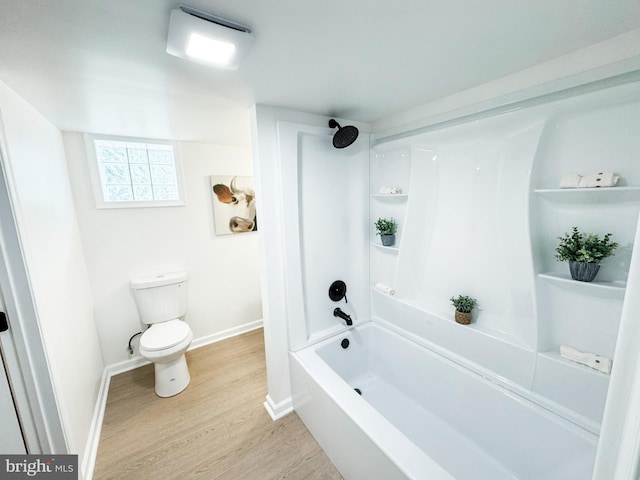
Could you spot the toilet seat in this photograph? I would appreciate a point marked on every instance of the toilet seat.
(164, 335)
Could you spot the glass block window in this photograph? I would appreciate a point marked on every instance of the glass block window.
(137, 171)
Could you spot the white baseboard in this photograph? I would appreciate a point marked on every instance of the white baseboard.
(126, 365)
(91, 448)
(278, 410)
(223, 335)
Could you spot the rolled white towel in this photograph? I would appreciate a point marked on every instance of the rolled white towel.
(589, 359)
(570, 180)
(381, 287)
(600, 179)
(390, 190)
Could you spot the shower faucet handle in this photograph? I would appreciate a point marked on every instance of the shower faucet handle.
(338, 291)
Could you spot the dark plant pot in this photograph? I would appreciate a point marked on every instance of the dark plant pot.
(388, 240)
(464, 318)
(582, 271)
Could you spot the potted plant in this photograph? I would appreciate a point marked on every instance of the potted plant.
(386, 228)
(584, 252)
(464, 305)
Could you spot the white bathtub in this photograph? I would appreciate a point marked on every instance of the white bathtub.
(422, 416)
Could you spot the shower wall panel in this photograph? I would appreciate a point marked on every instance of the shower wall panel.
(325, 228)
(482, 216)
(333, 226)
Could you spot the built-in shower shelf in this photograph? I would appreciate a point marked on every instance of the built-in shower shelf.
(386, 249)
(554, 356)
(400, 197)
(446, 317)
(384, 294)
(590, 195)
(606, 288)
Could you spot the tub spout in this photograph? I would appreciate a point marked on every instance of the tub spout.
(339, 313)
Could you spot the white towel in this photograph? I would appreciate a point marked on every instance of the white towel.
(390, 190)
(600, 179)
(570, 180)
(592, 360)
(381, 287)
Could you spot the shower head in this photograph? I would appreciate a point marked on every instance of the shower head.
(345, 136)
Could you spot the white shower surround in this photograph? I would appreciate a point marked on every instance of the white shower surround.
(482, 218)
(516, 154)
(326, 229)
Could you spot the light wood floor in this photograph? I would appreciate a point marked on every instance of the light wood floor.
(215, 429)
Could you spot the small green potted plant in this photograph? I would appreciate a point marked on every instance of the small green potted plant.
(584, 252)
(386, 228)
(464, 305)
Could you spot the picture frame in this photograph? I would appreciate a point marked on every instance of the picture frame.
(234, 204)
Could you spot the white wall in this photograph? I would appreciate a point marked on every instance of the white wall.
(224, 285)
(54, 256)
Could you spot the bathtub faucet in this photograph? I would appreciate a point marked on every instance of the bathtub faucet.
(339, 313)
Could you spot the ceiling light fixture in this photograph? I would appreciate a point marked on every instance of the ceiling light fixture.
(206, 38)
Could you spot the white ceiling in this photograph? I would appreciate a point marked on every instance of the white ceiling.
(101, 66)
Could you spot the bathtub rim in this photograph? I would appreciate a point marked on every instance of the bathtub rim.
(412, 461)
(393, 443)
(546, 407)
(556, 408)
(541, 401)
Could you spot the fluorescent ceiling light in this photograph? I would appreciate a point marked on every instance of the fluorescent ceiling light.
(208, 39)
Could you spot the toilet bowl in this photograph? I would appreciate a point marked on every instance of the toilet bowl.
(165, 345)
(162, 302)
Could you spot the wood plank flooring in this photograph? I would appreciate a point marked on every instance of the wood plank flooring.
(215, 429)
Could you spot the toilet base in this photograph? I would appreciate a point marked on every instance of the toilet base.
(172, 378)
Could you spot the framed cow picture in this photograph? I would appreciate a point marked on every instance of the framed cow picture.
(234, 204)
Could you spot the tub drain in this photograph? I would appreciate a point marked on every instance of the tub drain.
(358, 391)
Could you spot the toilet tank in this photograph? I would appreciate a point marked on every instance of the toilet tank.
(160, 297)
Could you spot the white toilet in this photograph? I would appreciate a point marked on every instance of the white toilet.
(162, 301)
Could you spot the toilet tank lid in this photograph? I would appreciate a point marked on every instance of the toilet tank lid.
(158, 280)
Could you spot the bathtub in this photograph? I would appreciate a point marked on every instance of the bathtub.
(419, 415)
